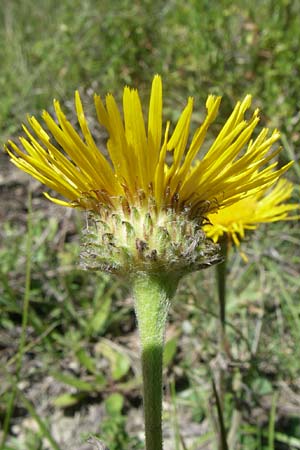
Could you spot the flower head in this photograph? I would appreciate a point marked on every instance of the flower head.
(145, 164)
(265, 206)
(150, 179)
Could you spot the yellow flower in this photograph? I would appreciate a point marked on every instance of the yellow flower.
(247, 214)
(144, 163)
(150, 191)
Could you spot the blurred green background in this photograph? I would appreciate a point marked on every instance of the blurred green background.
(80, 373)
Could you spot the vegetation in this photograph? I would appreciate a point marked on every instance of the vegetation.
(77, 359)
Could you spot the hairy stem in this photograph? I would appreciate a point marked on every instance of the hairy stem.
(152, 294)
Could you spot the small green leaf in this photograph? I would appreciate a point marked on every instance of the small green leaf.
(119, 362)
(114, 403)
(169, 351)
(66, 400)
(70, 380)
(262, 386)
(86, 360)
(98, 321)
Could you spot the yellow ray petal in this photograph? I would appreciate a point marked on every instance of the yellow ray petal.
(155, 123)
(136, 136)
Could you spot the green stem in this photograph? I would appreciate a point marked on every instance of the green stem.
(222, 442)
(221, 281)
(220, 390)
(152, 294)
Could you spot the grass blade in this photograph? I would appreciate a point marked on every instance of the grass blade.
(22, 343)
(43, 428)
(271, 436)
